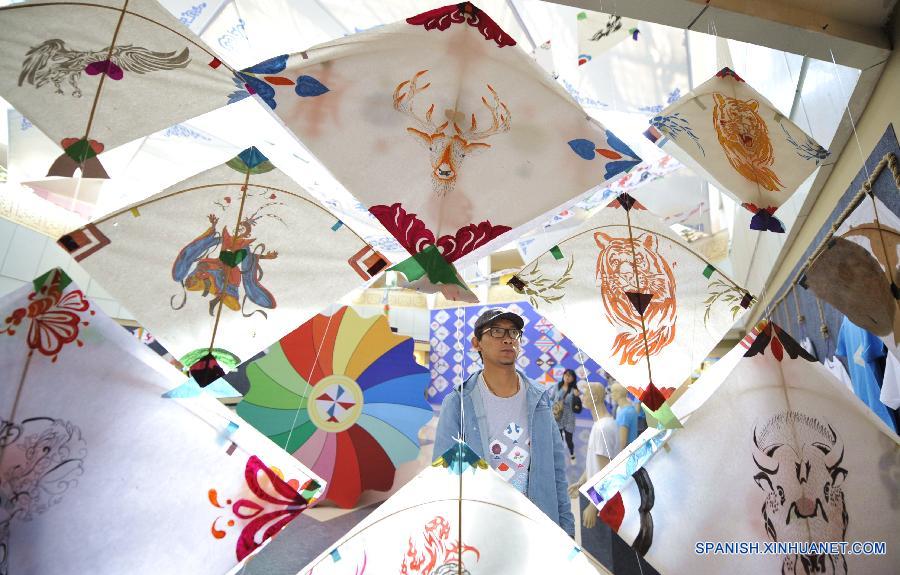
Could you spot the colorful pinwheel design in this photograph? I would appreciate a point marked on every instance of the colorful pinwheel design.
(345, 396)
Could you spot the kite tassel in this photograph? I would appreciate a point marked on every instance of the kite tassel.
(79, 153)
(764, 220)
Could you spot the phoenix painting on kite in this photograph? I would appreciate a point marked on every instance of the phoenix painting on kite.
(51, 61)
(237, 265)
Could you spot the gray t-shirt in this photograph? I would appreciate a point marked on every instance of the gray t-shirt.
(509, 439)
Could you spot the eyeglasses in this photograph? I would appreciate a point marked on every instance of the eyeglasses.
(499, 332)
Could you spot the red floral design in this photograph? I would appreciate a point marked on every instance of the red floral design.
(409, 230)
(55, 319)
(442, 18)
(414, 236)
(276, 503)
(468, 238)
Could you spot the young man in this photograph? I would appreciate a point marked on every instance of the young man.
(507, 419)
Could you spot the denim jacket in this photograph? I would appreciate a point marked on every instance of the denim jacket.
(547, 484)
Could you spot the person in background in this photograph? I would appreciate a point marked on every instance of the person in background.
(626, 415)
(566, 392)
(505, 418)
(602, 446)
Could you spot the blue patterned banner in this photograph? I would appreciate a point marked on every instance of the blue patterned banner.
(546, 352)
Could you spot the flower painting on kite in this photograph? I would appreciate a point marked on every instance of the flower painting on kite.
(728, 132)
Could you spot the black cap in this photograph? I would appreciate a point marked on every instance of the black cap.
(495, 314)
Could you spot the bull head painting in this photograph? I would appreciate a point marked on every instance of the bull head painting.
(799, 460)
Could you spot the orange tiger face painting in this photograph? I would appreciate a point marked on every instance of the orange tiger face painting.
(744, 138)
(618, 273)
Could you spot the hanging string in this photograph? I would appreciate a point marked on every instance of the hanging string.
(637, 279)
(237, 226)
(462, 430)
(889, 160)
(823, 327)
(801, 319)
(308, 387)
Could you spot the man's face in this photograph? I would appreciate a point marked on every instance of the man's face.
(500, 351)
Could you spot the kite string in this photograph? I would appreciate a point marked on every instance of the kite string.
(869, 183)
(637, 279)
(237, 226)
(887, 256)
(823, 327)
(15, 405)
(104, 73)
(462, 431)
(54, 280)
(888, 160)
(297, 413)
(801, 319)
(307, 387)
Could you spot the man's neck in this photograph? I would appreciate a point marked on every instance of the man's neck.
(503, 381)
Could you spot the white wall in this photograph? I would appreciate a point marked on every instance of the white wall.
(26, 254)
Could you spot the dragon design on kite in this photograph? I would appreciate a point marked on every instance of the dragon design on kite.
(53, 62)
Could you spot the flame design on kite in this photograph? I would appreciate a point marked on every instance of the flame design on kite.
(635, 265)
(51, 61)
(448, 150)
(744, 138)
(436, 555)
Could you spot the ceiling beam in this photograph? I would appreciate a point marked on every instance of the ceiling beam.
(771, 23)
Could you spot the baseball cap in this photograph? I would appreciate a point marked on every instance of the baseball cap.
(495, 314)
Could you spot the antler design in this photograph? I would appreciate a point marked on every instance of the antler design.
(499, 119)
(403, 102)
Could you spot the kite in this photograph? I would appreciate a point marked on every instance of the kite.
(446, 521)
(137, 169)
(807, 463)
(345, 396)
(223, 264)
(97, 469)
(94, 76)
(727, 131)
(876, 229)
(441, 125)
(636, 298)
(598, 32)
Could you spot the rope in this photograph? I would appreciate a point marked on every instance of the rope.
(889, 160)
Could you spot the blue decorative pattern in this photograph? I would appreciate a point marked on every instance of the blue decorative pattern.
(546, 352)
(188, 16)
